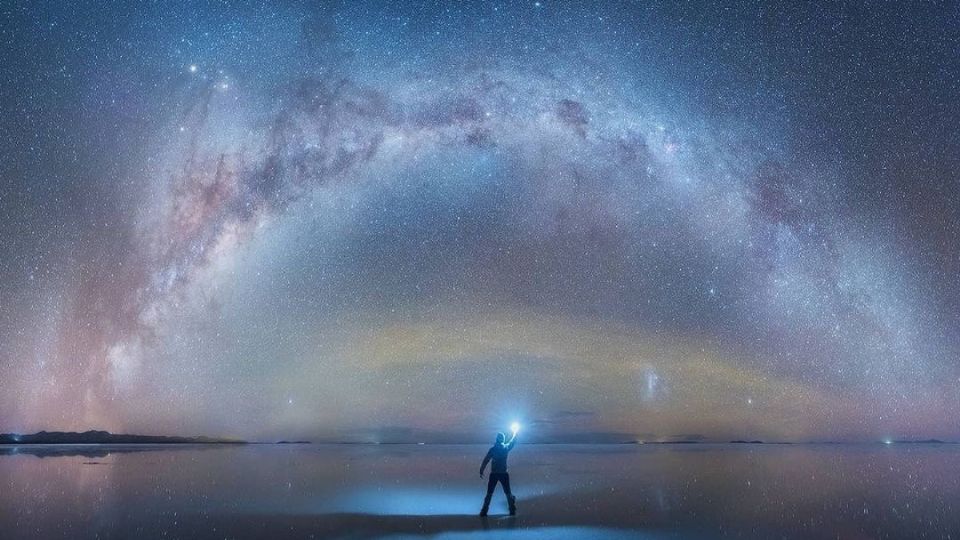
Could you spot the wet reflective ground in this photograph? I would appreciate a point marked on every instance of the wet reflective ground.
(400, 491)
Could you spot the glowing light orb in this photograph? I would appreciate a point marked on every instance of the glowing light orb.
(515, 427)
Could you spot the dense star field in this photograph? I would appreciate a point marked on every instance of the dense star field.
(386, 222)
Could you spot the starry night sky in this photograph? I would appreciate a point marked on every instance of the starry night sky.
(380, 222)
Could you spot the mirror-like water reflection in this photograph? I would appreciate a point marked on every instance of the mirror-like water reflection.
(323, 491)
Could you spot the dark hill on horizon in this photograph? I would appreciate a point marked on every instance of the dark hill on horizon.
(105, 437)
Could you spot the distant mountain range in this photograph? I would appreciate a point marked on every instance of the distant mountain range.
(105, 437)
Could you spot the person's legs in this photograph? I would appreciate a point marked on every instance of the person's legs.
(511, 500)
(491, 485)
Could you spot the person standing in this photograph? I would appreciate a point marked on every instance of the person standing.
(498, 471)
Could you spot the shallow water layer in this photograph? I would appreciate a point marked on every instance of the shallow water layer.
(401, 491)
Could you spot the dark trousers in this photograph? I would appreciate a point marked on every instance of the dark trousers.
(504, 479)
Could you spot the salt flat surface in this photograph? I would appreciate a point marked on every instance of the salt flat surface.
(411, 491)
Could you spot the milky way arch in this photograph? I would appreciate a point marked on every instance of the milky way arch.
(419, 225)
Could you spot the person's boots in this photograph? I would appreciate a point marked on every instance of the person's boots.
(486, 505)
(513, 505)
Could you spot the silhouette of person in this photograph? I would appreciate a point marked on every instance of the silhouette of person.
(498, 472)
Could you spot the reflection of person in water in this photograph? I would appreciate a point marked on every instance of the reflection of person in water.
(498, 471)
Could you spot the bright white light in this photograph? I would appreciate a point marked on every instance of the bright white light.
(193, 68)
(515, 427)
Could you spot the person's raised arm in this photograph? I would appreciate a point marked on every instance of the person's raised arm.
(486, 459)
(513, 441)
